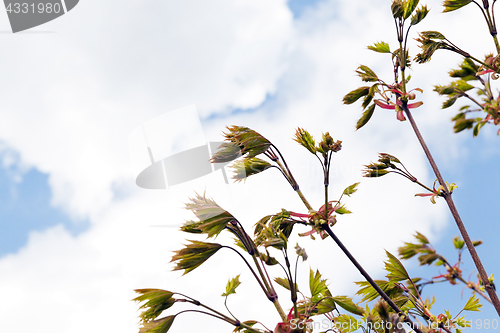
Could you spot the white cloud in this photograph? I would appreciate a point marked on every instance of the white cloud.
(89, 87)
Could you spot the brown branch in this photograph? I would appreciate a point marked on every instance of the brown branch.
(458, 220)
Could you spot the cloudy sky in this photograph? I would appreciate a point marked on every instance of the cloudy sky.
(77, 235)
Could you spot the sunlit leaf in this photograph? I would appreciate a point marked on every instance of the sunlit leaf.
(194, 254)
(232, 285)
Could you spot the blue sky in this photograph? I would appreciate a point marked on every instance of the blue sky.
(92, 77)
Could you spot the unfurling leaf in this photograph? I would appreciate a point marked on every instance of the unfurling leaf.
(395, 269)
(451, 5)
(371, 173)
(419, 15)
(232, 285)
(347, 304)
(472, 304)
(342, 210)
(212, 218)
(421, 238)
(193, 255)
(317, 285)
(247, 140)
(367, 114)
(157, 326)
(155, 302)
(381, 47)
(351, 189)
(285, 283)
(354, 95)
(305, 139)
(270, 261)
(347, 323)
(366, 74)
(458, 243)
(247, 167)
(408, 7)
(226, 152)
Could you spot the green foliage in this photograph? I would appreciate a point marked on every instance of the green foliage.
(155, 302)
(212, 218)
(157, 326)
(408, 8)
(381, 47)
(366, 74)
(472, 304)
(347, 304)
(243, 329)
(347, 323)
(232, 285)
(356, 94)
(285, 283)
(249, 143)
(367, 114)
(248, 166)
(317, 286)
(193, 255)
(451, 5)
(419, 15)
(395, 269)
(305, 139)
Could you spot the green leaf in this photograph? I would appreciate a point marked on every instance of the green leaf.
(463, 85)
(477, 243)
(305, 139)
(247, 167)
(419, 15)
(212, 218)
(226, 152)
(428, 259)
(387, 158)
(193, 255)
(342, 210)
(472, 304)
(249, 142)
(356, 94)
(366, 74)
(458, 243)
(243, 329)
(432, 35)
(450, 101)
(371, 173)
(408, 7)
(451, 5)
(395, 269)
(317, 285)
(285, 283)
(157, 326)
(381, 47)
(270, 261)
(232, 285)
(155, 302)
(421, 238)
(365, 117)
(347, 304)
(397, 8)
(461, 124)
(351, 189)
(347, 323)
